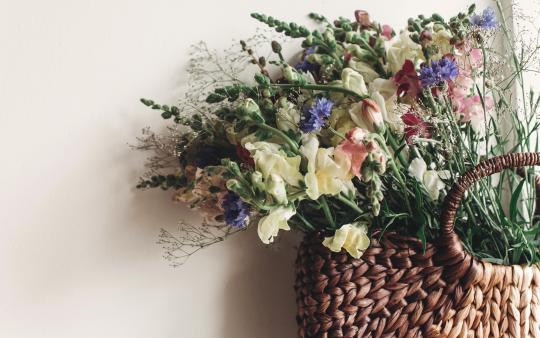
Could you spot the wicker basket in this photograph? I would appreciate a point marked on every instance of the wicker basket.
(396, 289)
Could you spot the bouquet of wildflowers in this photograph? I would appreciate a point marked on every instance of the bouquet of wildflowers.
(367, 132)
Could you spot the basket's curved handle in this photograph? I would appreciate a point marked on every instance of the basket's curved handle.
(454, 254)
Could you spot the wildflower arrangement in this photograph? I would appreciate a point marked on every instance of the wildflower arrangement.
(367, 132)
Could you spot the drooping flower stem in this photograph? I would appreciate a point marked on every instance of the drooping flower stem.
(321, 88)
(290, 142)
(326, 209)
(305, 221)
(337, 133)
(350, 203)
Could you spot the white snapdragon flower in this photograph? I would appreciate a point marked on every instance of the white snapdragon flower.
(276, 220)
(270, 159)
(354, 81)
(351, 237)
(431, 179)
(328, 172)
(364, 69)
(287, 117)
(401, 48)
(275, 186)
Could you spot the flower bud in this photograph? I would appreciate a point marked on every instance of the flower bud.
(426, 36)
(387, 32)
(249, 110)
(276, 47)
(367, 114)
(371, 112)
(257, 180)
(236, 187)
(362, 17)
(291, 75)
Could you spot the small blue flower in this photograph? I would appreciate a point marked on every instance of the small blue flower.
(314, 117)
(487, 20)
(447, 69)
(441, 70)
(236, 210)
(307, 66)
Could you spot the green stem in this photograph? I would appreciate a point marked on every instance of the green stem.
(306, 222)
(351, 204)
(326, 210)
(292, 144)
(392, 162)
(337, 133)
(395, 147)
(321, 88)
(395, 169)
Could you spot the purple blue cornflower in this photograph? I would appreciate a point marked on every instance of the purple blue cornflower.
(314, 117)
(486, 20)
(438, 71)
(236, 211)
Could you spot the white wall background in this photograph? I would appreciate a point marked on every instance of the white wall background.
(77, 242)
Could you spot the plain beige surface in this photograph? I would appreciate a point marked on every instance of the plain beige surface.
(77, 242)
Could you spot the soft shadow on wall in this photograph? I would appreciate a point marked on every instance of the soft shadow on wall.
(259, 294)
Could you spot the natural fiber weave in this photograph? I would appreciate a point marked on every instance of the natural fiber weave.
(396, 289)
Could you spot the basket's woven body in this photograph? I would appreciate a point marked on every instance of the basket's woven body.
(396, 289)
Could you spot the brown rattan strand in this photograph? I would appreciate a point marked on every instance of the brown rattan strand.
(396, 289)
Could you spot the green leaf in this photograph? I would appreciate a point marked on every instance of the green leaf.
(421, 233)
(514, 200)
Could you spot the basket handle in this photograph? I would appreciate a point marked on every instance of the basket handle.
(454, 253)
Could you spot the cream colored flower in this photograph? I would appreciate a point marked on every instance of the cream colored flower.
(433, 184)
(354, 81)
(270, 159)
(276, 220)
(327, 171)
(431, 179)
(384, 93)
(364, 69)
(387, 88)
(401, 48)
(275, 186)
(441, 39)
(351, 237)
(388, 112)
(287, 117)
(417, 169)
(341, 121)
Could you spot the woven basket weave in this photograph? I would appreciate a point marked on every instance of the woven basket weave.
(396, 289)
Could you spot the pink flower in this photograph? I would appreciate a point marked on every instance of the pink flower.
(407, 80)
(472, 107)
(354, 148)
(415, 126)
(367, 113)
(469, 59)
(477, 59)
(387, 32)
(461, 87)
(356, 135)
